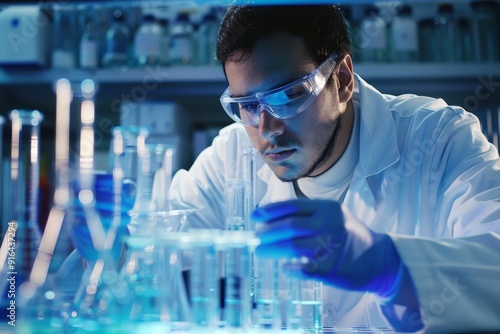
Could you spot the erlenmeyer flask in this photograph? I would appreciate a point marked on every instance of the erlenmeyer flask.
(157, 293)
(42, 302)
(101, 300)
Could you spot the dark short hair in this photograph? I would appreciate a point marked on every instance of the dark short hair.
(322, 27)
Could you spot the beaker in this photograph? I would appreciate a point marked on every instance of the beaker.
(305, 299)
(156, 292)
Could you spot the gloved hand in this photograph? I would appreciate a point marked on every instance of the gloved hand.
(104, 206)
(341, 251)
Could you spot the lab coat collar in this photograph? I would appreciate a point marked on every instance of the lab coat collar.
(378, 145)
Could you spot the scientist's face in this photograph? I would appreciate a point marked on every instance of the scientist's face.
(310, 142)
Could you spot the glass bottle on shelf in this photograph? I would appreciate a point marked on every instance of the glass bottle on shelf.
(404, 36)
(116, 51)
(373, 30)
(427, 41)
(147, 42)
(446, 30)
(485, 30)
(181, 40)
(465, 36)
(207, 39)
(89, 46)
(65, 45)
(165, 40)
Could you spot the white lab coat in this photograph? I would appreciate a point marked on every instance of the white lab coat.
(426, 176)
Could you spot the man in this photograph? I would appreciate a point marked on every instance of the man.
(394, 201)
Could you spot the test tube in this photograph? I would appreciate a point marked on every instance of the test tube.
(267, 313)
(235, 248)
(236, 195)
(203, 278)
(250, 176)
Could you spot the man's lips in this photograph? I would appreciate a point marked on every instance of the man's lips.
(279, 155)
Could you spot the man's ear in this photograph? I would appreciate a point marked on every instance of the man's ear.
(345, 79)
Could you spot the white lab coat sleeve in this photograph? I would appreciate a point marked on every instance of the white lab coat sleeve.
(457, 281)
(202, 188)
(457, 276)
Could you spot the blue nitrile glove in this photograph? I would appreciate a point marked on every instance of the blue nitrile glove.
(341, 251)
(104, 205)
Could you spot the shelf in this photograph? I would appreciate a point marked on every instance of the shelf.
(215, 2)
(439, 79)
(150, 74)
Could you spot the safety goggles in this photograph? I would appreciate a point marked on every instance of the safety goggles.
(282, 102)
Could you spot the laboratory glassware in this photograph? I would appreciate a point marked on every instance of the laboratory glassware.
(236, 204)
(465, 37)
(116, 50)
(128, 138)
(164, 40)
(181, 40)
(99, 302)
(156, 294)
(305, 300)
(373, 37)
(267, 295)
(404, 36)
(89, 45)
(162, 180)
(42, 302)
(203, 282)
(151, 157)
(446, 34)
(250, 177)
(207, 39)
(484, 22)
(65, 37)
(235, 249)
(427, 41)
(24, 188)
(147, 42)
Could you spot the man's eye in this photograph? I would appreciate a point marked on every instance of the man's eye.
(295, 94)
(248, 107)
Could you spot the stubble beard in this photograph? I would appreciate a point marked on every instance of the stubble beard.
(322, 158)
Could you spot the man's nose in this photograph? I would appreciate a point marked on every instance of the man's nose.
(269, 125)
